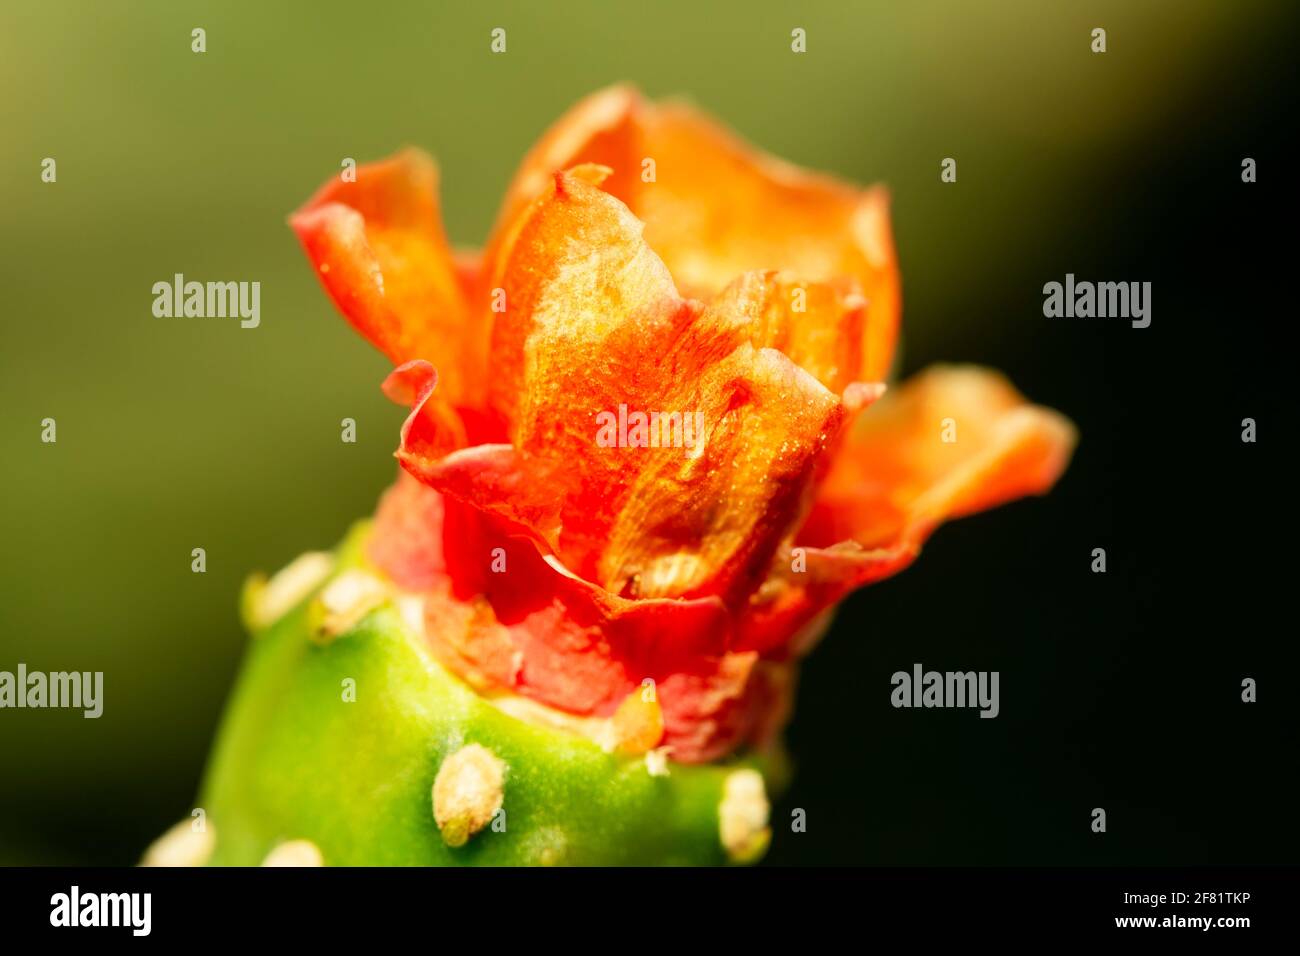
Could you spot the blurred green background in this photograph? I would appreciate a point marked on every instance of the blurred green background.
(183, 433)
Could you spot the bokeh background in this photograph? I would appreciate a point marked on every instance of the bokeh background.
(1120, 691)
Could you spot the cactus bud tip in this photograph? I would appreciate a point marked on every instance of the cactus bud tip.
(344, 602)
(467, 793)
(743, 816)
(182, 845)
(295, 853)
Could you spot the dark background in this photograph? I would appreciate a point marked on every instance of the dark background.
(1119, 690)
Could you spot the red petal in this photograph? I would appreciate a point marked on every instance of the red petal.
(530, 628)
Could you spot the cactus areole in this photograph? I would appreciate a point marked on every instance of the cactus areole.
(649, 447)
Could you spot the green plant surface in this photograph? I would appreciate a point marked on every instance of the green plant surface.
(295, 760)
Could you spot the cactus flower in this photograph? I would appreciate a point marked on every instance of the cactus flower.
(649, 447)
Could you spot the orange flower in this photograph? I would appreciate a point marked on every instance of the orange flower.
(652, 447)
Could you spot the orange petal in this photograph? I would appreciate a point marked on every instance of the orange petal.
(716, 207)
(434, 427)
(594, 331)
(575, 277)
(709, 524)
(600, 129)
(379, 248)
(950, 442)
(817, 325)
